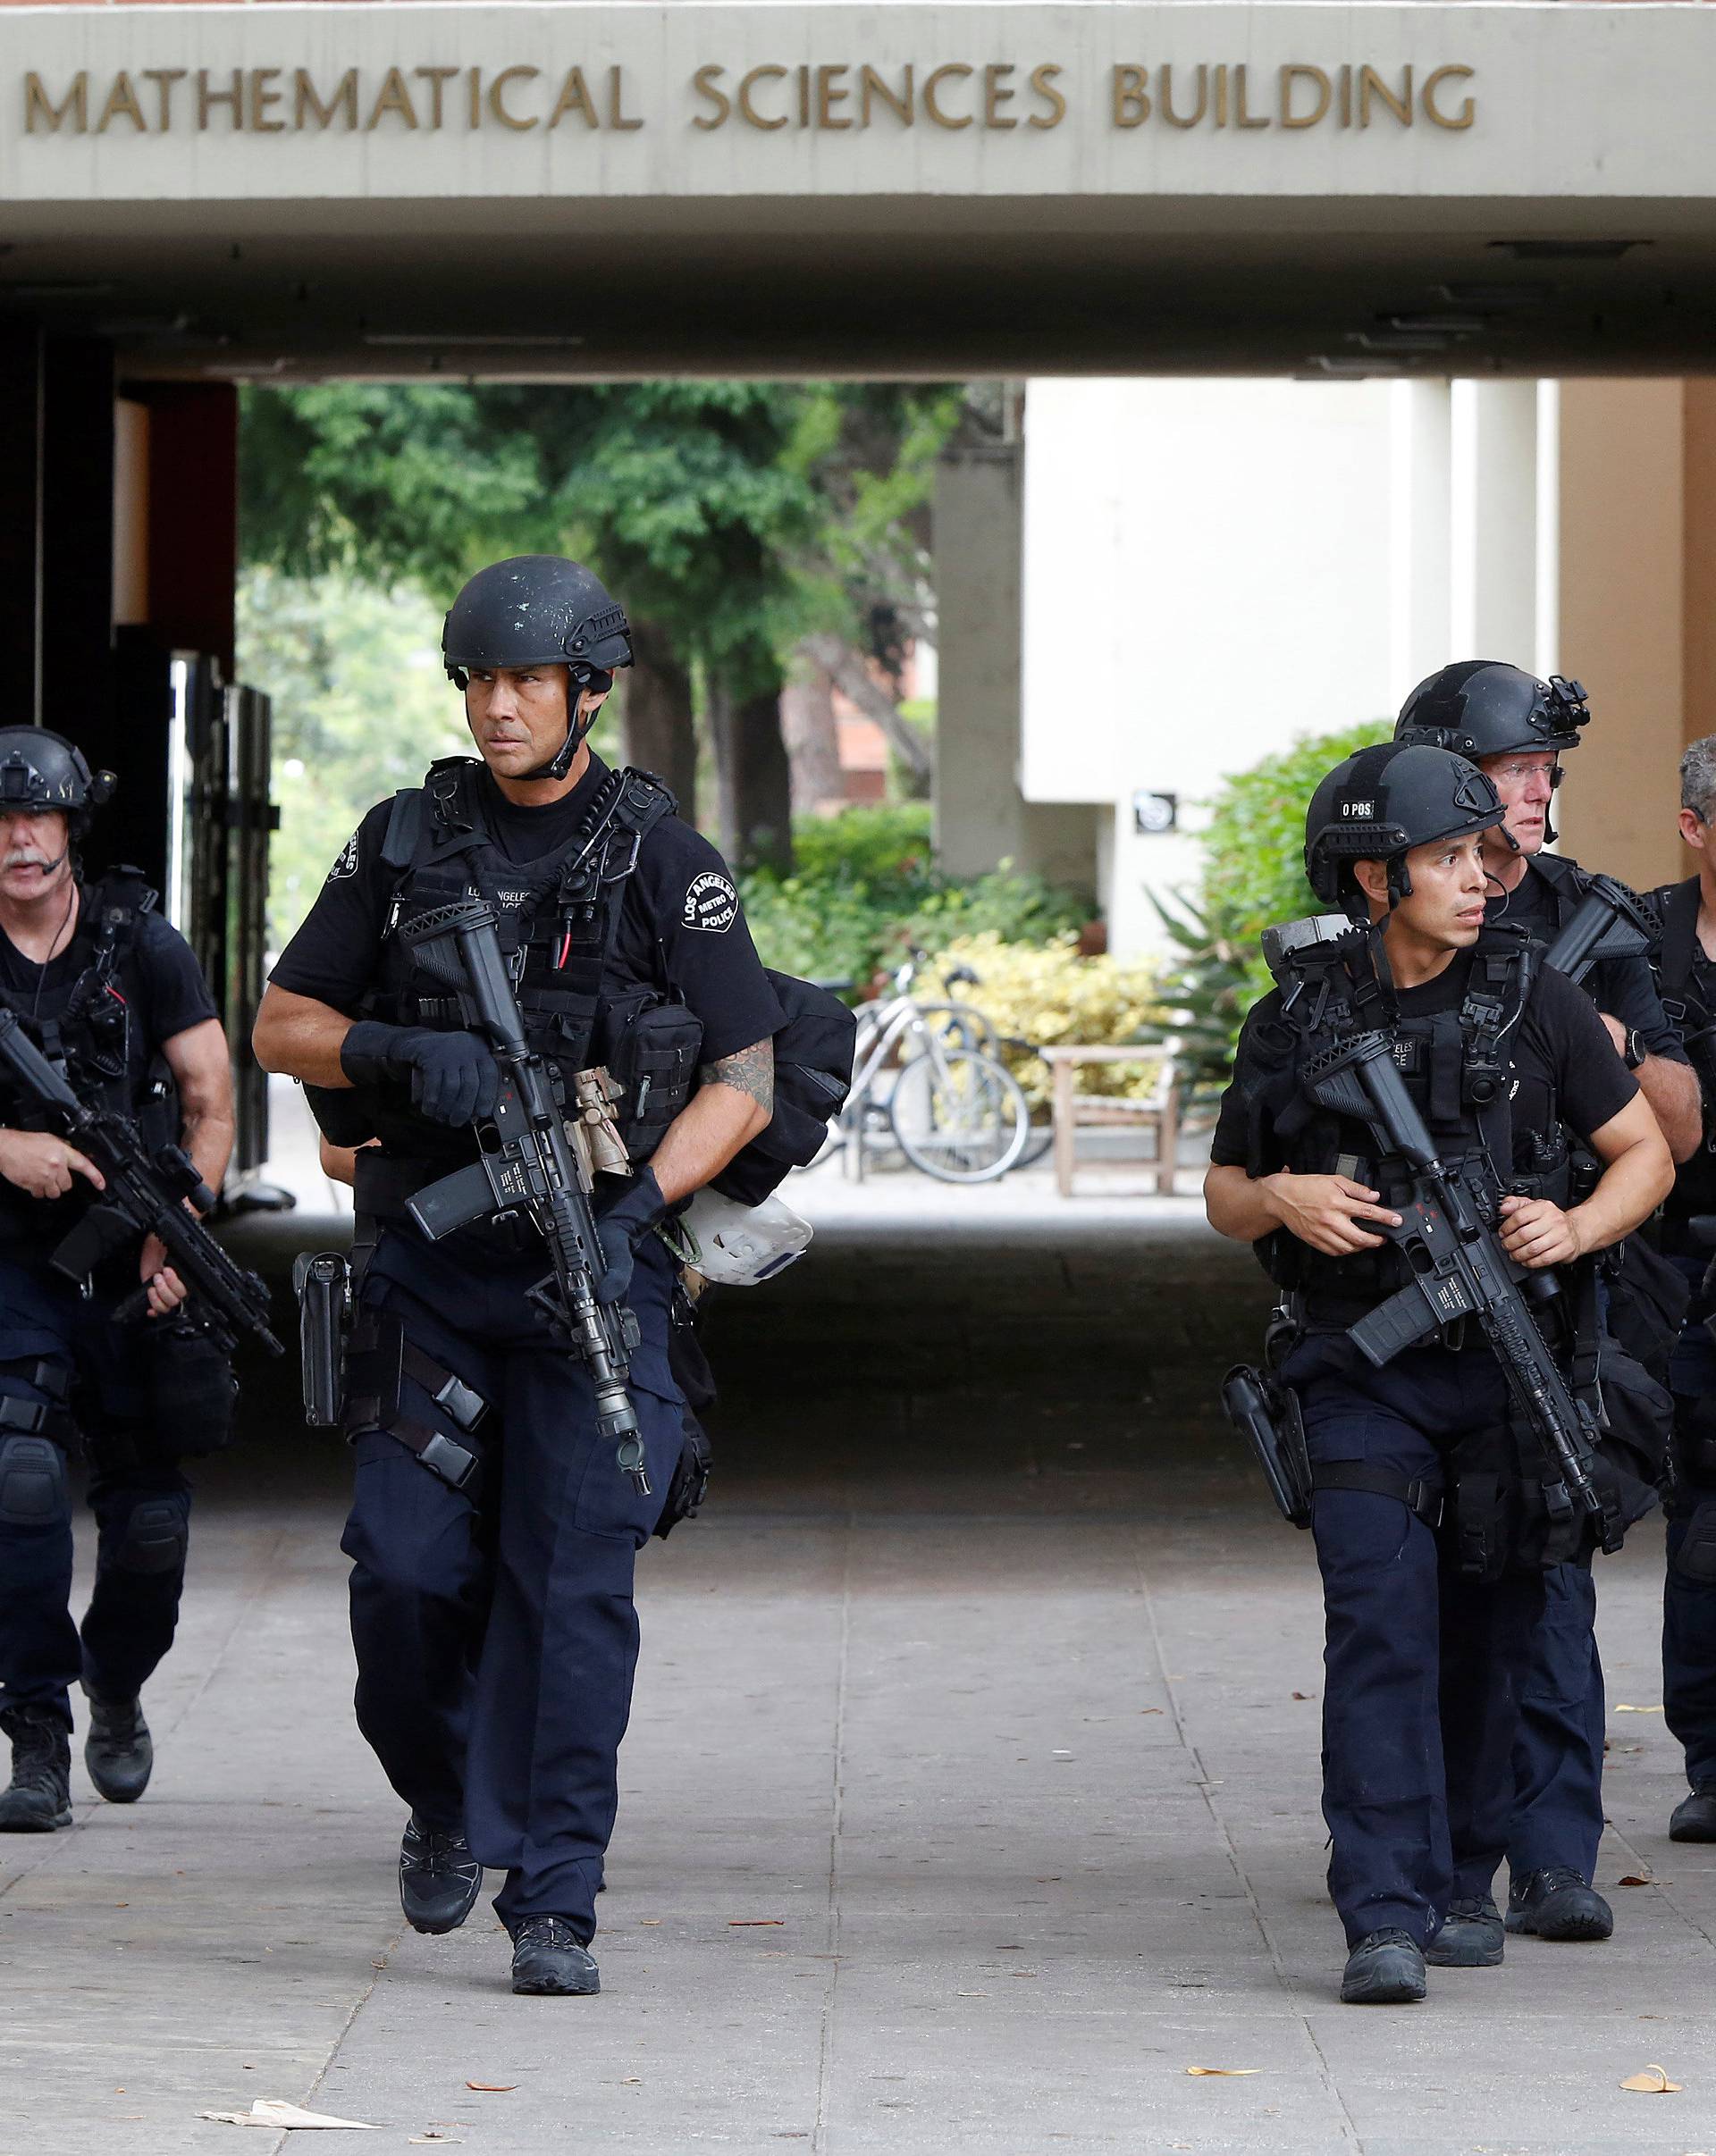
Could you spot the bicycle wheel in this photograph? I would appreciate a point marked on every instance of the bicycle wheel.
(958, 1116)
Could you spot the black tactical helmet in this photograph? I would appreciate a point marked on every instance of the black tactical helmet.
(1381, 803)
(43, 770)
(1483, 707)
(538, 610)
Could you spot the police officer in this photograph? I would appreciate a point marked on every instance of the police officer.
(1516, 728)
(493, 1622)
(1687, 977)
(1394, 836)
(113, 996)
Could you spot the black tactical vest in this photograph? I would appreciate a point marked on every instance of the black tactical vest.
(1686, 980)
(579, 1005)
(89, 1029)
(1455, 1067)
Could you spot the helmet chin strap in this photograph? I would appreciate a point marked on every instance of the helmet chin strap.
(561, 763)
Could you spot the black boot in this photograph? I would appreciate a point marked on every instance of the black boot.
(547, 1959)
(118, 1750)
(439, 1880)
(1385, 1968)
(1471, 1936)
(39, 1799)
(1695, 1817)
(1559, 1904)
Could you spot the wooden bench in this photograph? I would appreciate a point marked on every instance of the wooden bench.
(1076, 1110)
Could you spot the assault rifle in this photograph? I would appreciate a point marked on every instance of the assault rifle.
(1459, 1269)
(144, 1196)
(528, 1165)
(1609, 921)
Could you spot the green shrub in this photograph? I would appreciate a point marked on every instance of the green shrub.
(1254, 876)
(866, 893)
(1044, 993)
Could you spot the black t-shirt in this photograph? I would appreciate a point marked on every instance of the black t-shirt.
(1559, 1051)
(681, 925)
(1625, 987)
(165, 995)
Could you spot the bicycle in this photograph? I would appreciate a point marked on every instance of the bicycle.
(953, 1109)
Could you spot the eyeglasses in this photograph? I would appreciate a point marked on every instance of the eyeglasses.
(1516, 772)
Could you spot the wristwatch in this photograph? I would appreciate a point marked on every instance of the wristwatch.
(1634, 1051)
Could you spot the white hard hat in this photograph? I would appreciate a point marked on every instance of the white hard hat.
(736, 1246)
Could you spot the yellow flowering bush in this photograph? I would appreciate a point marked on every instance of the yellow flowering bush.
(1046, 994)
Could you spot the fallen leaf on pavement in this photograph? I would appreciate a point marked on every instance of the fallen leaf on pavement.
(1302, 1694)
(492, 2088)
(1638, 1710)
(1652, 2081)
(275, 2112)
(753, 1923)
(1635, 1879)
(1224, 2073)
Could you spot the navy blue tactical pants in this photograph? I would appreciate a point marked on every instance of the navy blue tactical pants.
(1558, 1753)
(140, 1500)
(1689, 1603)
(497, 1640)
(1422, 1664)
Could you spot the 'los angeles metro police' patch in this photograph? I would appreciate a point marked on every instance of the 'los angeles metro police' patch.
(346, 864)
(711, 903)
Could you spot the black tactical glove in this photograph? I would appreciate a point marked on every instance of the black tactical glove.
(454, 1077)
(621, 1228)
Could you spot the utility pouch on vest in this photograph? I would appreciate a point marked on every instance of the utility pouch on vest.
(322, 1281)
(653, 1059)
(191, 1389)
(689, 1485)
(1267, 1414)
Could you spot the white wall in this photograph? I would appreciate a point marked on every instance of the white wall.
(1206, 575)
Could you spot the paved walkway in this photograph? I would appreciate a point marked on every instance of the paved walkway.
(970, 1800)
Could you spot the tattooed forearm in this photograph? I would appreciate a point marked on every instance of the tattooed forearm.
(751, 1071)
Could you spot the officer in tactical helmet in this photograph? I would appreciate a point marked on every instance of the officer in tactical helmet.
(1420, 1483)
(492, 1605)
(1686, 973)
(116, 1000)
(1517, 728)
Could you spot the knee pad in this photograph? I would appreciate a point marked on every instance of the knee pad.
(32, 1483)
(155, 1536)
(1696, 1559)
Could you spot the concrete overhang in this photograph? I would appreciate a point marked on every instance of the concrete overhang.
(573, 190)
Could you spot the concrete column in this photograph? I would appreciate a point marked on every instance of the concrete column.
(1625, 563)
(1493, 521)
(21, 526)
(981, 817)
(1419, 639)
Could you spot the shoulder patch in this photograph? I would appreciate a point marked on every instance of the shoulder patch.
(346, 864)
(711, 903)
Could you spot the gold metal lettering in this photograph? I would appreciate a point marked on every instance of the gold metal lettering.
(617, 119)
(234, 97)
(828, 94)
(497, 97)
(1371, 83)
(575, 98)
(1164, 91)
(995, 94)
(931, 109)
(1221, 93)
(747, 111)
(74, 105)
(435, 76)
(263, 100)
(804, 96)
(1346, 96)
(1433, 112)
(1128, 99)
(475, 87)
(705, 85)
(305, 99)
(1241, 118)
(1325, 91)
(1042, 81)
(898, 102)
(121, 102)
(163, 79)
(393, 96)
